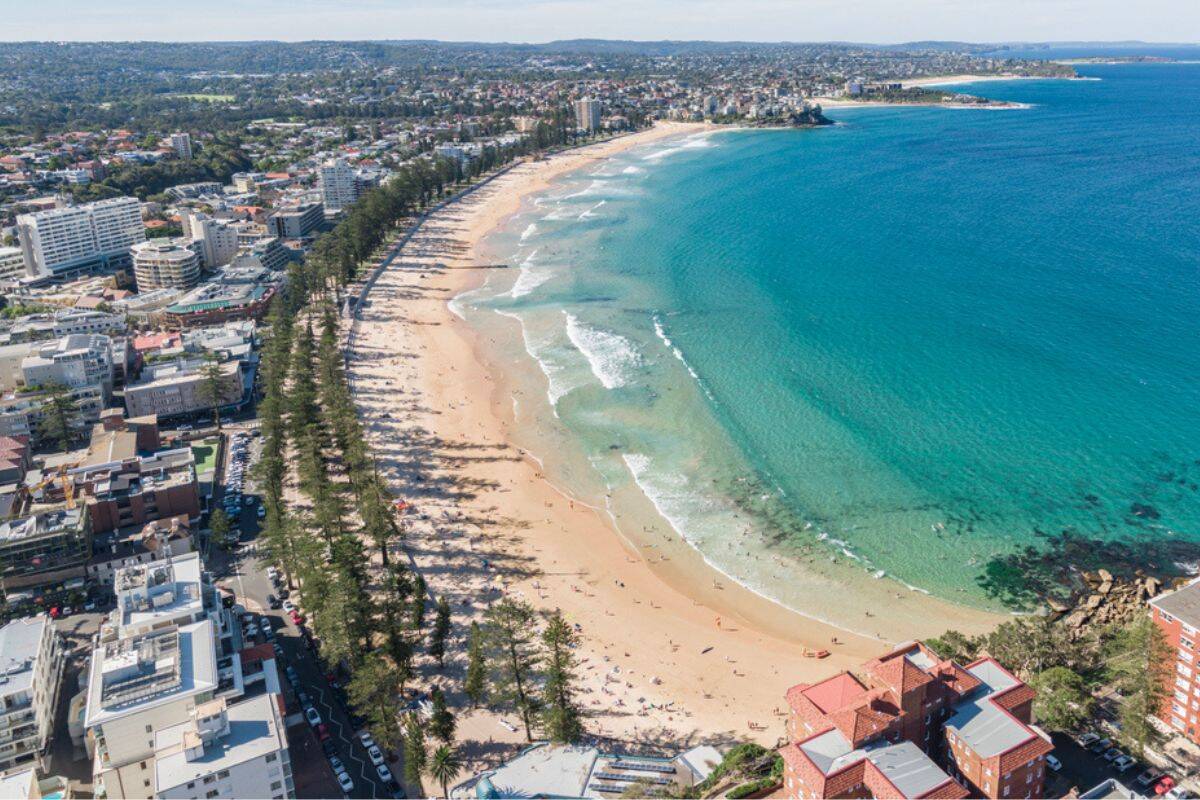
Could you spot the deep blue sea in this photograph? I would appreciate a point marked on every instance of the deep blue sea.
(914, 344)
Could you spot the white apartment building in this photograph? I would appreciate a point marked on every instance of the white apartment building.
(31, 667)
(75, 361)
(12, 263)
(165, 265)
(167, 710)
(226, 751)
(339, 185)
(215, 241)
(587, 114)
(61, 241)
(182, 144)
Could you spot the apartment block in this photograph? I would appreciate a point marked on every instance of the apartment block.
(298, 222)
(12, 264)
(31, 665)
(120, 487)
(44, 552)
(165, 265)
(215, 241)
(226, 751)
(181, 143)
(21, 412)
(179, 388)
(915, 726)
(75, 239)
(339, 185)
(1177, 615)
(75, 361)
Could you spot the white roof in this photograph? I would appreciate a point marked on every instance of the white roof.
(543, 770)
(193, 672)
(255, 729)
(20, 644)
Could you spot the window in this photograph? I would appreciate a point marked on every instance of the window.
(223, 773)
(271, 757)
(1188, 643)
(1184, 655)
(275, 785)
(209, 778)
(1182, 670)
(213, 793)
(149, 729)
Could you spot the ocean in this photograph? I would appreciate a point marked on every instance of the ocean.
(953, 348)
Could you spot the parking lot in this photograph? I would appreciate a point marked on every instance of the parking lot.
(1087, 762)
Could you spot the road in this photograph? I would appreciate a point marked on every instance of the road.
(244, 571)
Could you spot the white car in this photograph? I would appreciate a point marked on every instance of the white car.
(345, 782)
(385, 774)
(262, 512)
(376, 755)
(311, 714)
(289, 606)
(365, 738)
(1053, 763)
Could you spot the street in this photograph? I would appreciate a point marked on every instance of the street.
(240, 569)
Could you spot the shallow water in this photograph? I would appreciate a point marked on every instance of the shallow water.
(908, 343)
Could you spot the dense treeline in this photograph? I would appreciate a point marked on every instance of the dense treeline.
(373, 623)
(216, 161)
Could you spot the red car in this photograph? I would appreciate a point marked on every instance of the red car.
(1165, 784)
(297, 618)
(323, 732)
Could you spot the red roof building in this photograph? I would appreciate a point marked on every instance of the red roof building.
(915, 726)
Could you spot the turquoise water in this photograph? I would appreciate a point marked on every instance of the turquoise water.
(915, 344)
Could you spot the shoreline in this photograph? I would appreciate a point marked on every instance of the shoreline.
(486, 496)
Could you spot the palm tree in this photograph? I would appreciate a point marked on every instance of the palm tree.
(445, 766)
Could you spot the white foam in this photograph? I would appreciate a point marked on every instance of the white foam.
(699, 140)
(591, 212)
(529, 278)
(632, 170)
(675, 501)
(558, 381)
(661, 333)
(612, 357)
(530, 230)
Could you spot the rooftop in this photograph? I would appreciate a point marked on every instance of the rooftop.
(20, 642)
(255, 729)
(150, 669)
(980, 722)
(1183, 603)
(911, 771)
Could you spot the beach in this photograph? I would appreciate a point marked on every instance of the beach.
(672, 652)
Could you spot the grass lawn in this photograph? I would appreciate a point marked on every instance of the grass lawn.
(206, 456)
(212, 98)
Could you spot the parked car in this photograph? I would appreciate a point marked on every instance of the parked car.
(1148, 777)
(337, 764)
(292, 676)
(1053, 763)
(385, 774)
(367, 740)
(328, 748)
(1123, 763)
(344, 781)
(289, 606)
(1179, 793)
(375, 754)
(1100, 745)
(1087, 740)
(323, 732)
(298, 618)
(313, 717)
(273, 601)
(1112, 754)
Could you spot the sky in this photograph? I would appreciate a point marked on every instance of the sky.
(880, 21)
